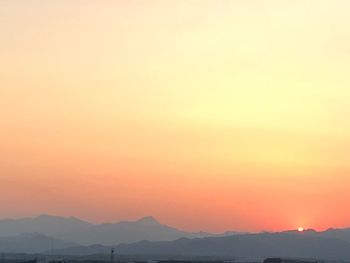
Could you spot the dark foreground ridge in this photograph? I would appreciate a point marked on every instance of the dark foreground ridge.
(293, 245)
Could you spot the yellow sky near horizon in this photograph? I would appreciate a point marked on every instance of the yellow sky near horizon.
(209, 115)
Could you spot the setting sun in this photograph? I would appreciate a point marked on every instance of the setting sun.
(300, 229)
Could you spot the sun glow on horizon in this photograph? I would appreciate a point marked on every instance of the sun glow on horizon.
(300, 229)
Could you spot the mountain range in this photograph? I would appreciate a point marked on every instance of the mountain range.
(72, 236)
(77, 231)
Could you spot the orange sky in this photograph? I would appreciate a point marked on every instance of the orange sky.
(208, 115)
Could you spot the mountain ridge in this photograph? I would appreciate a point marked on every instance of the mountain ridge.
(78, 231)
(148, 236)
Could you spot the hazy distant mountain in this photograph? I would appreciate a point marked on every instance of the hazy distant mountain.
(30, 243)
(247, 245)
(44, 224)
(84, 233)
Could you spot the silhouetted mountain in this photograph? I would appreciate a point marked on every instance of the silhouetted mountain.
(84, 233)
(30, 243)
(148, 221)
(247, 245)
(44, 224)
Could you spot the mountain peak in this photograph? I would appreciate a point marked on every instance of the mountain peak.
(45, 216)
(148, 220)
(50, 217)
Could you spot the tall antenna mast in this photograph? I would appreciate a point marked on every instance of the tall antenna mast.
(112, 255)
(51, 248)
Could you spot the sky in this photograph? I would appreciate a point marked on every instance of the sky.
(208, 115)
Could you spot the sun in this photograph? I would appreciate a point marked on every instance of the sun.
(300, 229)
